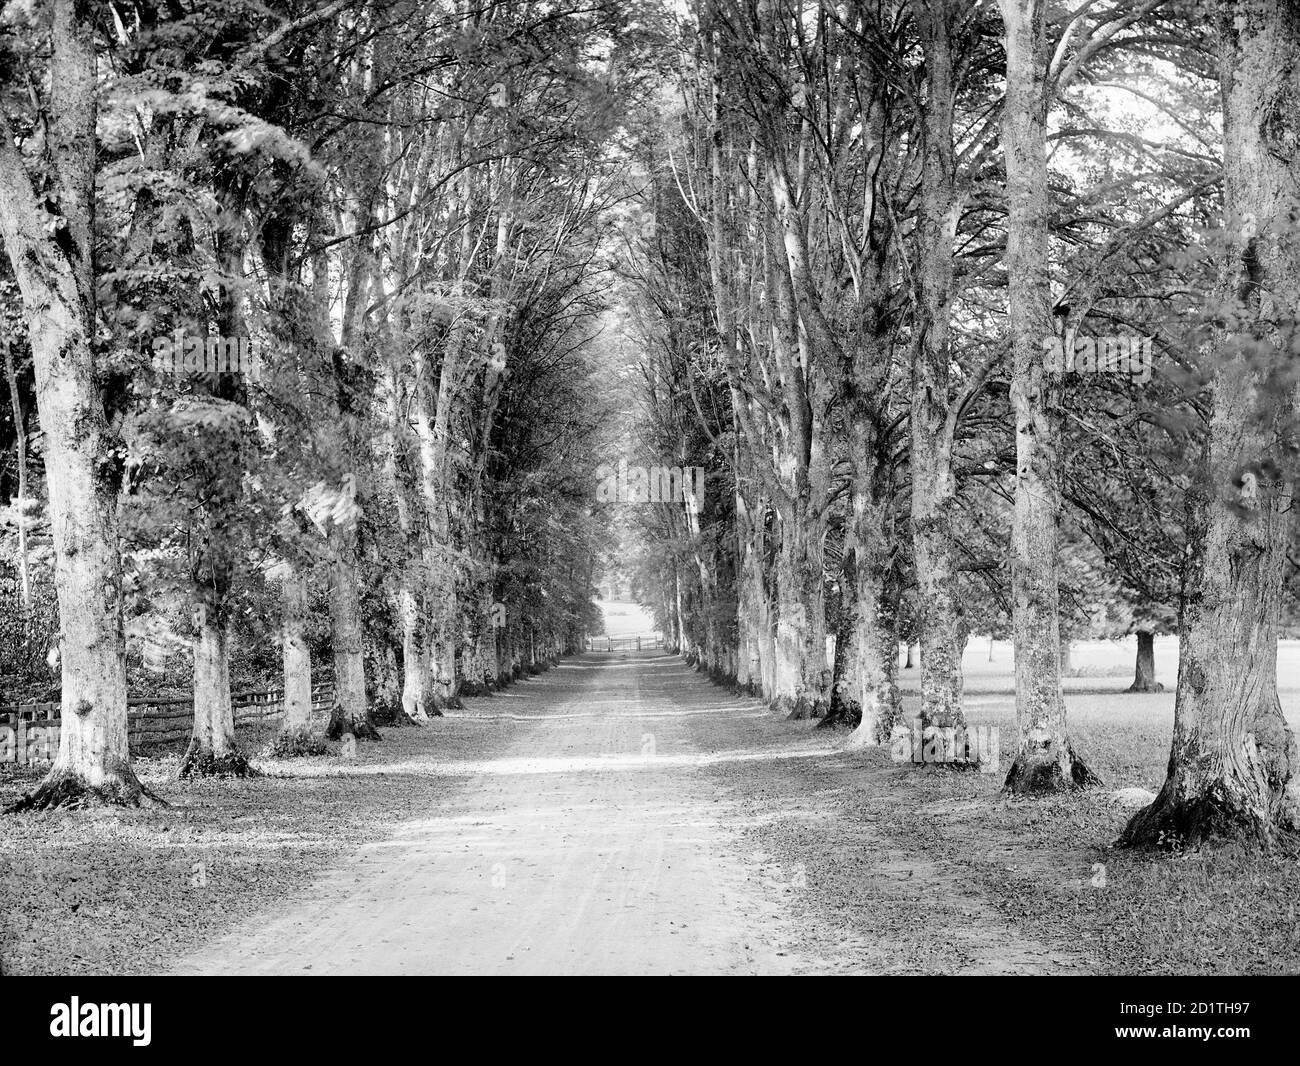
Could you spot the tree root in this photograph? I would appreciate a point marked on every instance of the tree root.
(1154, 686)
(361, 728)
(843, 714)
(954, 765)
(201, 762)
(1041, 777)
(69, 791)
(298, 743)
(1176, 821)
(392, 715)
(801, 709)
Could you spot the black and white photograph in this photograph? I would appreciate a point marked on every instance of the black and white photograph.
(650, 488)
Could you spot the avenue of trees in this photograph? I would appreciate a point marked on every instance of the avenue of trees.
(397, 206)
(874, 221)
(850, 242)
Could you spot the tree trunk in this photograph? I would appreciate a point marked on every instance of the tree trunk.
(294, 312)
(942, 627)
(487, 639)
(1046, 761)
(20, 445)
(1144, 676)
(685, 645)
(762, 628)
(351, 713)
(435, 417)
(295, 726)
(1233, 759)
(52, 262)
(445, 641)
(213, 557)
(470, 641)
(865, 691)
(212, 750)
(870, 672)
(801, 687)
(749, 651)
(941, 624)
(803, 679)
(384, 677)
(417, 698)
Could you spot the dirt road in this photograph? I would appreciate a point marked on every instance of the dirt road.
(603, 834)
(591, 844)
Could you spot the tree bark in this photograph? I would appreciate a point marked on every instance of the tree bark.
(295, 726)
(20, 447)
(52, 261)
(1144, 675)
(802, 681)
(685, 642)
(212, 750)
(942, 626)
(213, 551)
(417, 699)
(384, 676)
(1232, 765)
(351, 713)
(749, 651)
(869, 671)
(1045, 761)
(865, 690)
(801, 687)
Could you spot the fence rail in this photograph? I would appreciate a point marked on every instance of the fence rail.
(639, 643)
(30, 732)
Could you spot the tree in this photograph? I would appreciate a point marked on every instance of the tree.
(48, 239)
(1232, 765)
(20, 448)
(934, 410)
(1046, 760)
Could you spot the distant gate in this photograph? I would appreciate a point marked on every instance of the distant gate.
(648, 642)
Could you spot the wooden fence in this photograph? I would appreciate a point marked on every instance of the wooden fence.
(641, 643)
(30, 732)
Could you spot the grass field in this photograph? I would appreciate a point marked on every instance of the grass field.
(1127, 734)
(1217, 910)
